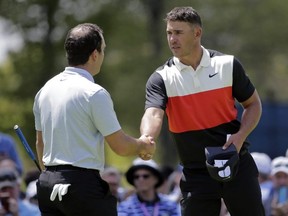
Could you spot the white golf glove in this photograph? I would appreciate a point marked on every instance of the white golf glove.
(60, 189)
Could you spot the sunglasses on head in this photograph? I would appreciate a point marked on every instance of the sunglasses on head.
(144, 176)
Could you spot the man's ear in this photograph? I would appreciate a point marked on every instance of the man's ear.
(198, 32)
(94, 55)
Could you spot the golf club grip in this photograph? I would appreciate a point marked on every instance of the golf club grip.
(24, 142)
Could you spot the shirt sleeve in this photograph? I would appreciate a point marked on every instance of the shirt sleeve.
(103, 113)
(156, 95)
(242, 86)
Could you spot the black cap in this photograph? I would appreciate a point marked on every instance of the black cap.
(222, 164)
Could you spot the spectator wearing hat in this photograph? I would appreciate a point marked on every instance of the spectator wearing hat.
(279, 175)
(11, 204)
(146, 177)
(263, 163)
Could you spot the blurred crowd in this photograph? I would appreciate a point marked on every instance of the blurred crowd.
(17, 190)
(150, 189)
(273, 180)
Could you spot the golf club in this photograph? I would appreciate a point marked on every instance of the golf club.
(26, 145)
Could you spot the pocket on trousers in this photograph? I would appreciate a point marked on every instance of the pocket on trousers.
(95, 188)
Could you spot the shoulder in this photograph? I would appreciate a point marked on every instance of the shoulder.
(215, 53)
(220, 57)
(169, 63)
(99, 94)
(164, 199)
(128, 205)
(161, 72)
(127, 202)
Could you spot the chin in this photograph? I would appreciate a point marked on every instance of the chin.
(97, 72)
(176, 54)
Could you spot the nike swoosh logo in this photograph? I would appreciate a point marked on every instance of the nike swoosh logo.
(212, 75)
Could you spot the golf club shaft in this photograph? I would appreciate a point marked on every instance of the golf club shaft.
(26, 145)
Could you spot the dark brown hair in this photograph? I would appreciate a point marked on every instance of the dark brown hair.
(81, 41)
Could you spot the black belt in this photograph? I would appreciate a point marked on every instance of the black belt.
(69, 167)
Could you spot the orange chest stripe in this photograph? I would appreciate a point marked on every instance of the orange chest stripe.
(201, 110)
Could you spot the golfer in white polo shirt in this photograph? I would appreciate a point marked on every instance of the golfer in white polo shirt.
(73, 116)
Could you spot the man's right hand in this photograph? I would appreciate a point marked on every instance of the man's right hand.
(147, 147)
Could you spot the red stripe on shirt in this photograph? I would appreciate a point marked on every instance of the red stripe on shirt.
(201, 110)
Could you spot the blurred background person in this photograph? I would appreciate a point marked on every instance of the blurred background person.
(8, 148)
(263, 163)
(11, 204)
(30, 178)
(146, 177)
(113, 177)
(170, 186)
(279, 175)
(166, 172)
(31, 193)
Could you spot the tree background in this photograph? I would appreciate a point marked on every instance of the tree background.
(254, 31)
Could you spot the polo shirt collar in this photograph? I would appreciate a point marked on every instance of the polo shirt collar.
(205, 61)
(81, 72)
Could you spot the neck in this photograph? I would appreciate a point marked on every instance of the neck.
(87, 67)
(148, 196)
(194, 59)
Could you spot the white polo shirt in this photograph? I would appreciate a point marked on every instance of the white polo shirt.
(74, 114)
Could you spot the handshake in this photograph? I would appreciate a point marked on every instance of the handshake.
(147, 147)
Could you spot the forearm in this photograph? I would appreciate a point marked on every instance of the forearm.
(39, 149)
(151, 122)
(123, 144)
(40, 156)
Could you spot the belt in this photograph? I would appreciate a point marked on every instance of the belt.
(69, 167)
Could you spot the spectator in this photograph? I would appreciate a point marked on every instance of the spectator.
(171, 183)
(280, 180)
(31, 192)
(8, 148)
(263, 163)
(30, 176)
(11, 204)
(113, 177)
(30, 180)
(146, 178)
(166, 172)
